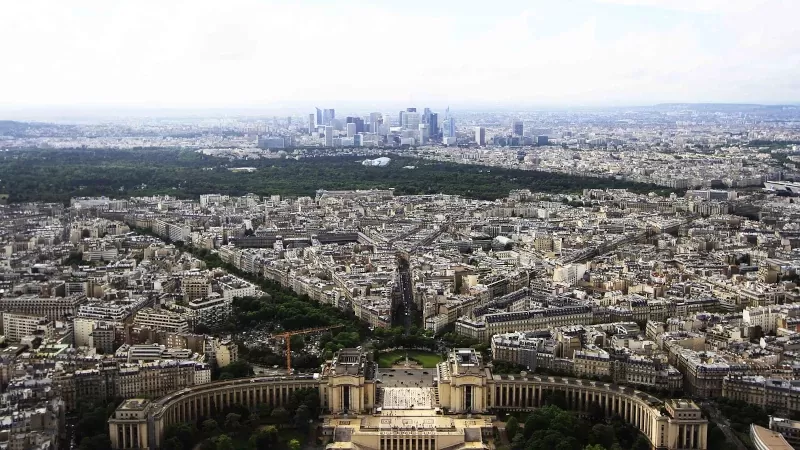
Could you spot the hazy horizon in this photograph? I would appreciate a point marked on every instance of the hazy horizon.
(280, 55)
(94, 112)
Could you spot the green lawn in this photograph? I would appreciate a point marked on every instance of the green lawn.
(426, 359)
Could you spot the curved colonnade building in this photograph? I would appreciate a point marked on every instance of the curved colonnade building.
(464, 388)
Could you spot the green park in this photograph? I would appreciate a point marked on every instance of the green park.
(397, 358)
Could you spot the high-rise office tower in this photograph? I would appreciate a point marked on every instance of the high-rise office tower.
(517, 128)
(480, 136)
(351, 129)
(328, 136)
(433, 124)
(328, 115)
(375, 121)
(410, 120)
(319, 117)
(289, 120)
(358, 121)
(401, 118)
(311, 123)
(449, 124)
(423, 134)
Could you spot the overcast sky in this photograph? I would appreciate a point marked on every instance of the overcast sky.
(270, 53)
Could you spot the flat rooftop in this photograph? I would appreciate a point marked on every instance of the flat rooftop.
(772, 440)
(134, 404)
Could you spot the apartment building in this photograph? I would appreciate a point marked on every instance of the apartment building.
(91, 385)
(54, 308)
(211, 311)
(640, 370)
(221, 352)
(769, 317)
(704, 372)
(101, 253)
(522, 348)
(507, 322)
(161, 320)
(195, 287)
(592, 362)
(119, 310)
(779, 394)
(475, 329)
(172, 231)
(94, 333)
(157, 378)
(232, 287)
(18, 326)
(109, 380)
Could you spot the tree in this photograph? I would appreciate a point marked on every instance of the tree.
(233, 422)
(264, 439)
(96, 442)
(263, 410)
(236, 369)
(641, 443)
(224, 442)
(294, 444)
(173, 443)
(518, 443)
(594, 447)
(512, 427)
(298, 342)
(208, 444)
(301, 417)
(93, 422)
(280, 415)
(596, 413)
(185, 433)
(210, 426)
(602, 435)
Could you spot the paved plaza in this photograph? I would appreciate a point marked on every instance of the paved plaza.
(407, 398)
(406, 377)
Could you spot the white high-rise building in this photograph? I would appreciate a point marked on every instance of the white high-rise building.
(375, 121)
(311, 127)
(423, 134)
(351, 129)
(328, 136)
(480, 136)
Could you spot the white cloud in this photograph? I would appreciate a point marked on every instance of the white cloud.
(249, 52)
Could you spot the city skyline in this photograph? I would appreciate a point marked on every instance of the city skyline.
(290, 56)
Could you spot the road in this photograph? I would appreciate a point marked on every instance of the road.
(408, 298)
(724, 425)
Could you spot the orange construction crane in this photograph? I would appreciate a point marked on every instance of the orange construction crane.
(287, 336)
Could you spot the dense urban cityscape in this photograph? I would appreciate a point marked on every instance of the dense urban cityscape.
(403, 281)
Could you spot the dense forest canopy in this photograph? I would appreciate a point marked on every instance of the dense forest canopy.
(58, 175)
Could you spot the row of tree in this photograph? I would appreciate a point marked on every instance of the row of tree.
(551, 427)
(260, 425)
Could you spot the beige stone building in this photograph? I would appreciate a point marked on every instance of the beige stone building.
(354, 418)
